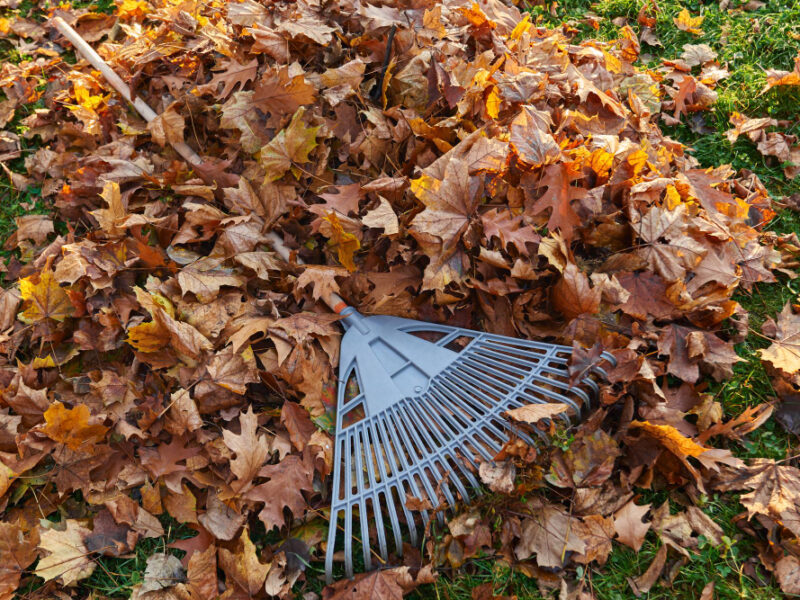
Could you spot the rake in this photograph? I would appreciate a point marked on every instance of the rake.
(419, 405)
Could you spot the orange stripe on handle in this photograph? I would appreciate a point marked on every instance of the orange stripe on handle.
(339, 307)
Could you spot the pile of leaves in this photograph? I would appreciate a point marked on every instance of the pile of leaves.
(443, 161)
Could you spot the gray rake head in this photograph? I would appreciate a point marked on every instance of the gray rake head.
(419, 407)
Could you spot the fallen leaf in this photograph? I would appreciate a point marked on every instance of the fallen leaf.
(629, 526)
(66, 555)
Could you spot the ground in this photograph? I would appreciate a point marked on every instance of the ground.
(749, 40)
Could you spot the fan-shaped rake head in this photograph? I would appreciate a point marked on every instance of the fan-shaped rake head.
(419, 407)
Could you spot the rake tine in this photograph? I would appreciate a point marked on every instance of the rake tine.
(487, 441)
(410, 472)
(426, 462)
(389, 454)
(380, 451)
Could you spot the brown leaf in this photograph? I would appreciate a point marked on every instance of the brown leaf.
(548, 535)
(298, 423)
(784, 353)
(242, 567)
(382, 584)
(251, 450)
(533, 413)
(645, 582)
(572, 295)
(629, 526)
(17, 553)
(167, 128)
(64, 554)
(558, 198)
(288, 479)
(787, 572)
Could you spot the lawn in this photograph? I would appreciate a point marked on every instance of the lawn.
(748, 39)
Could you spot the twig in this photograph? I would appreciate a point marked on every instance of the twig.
(377, 91)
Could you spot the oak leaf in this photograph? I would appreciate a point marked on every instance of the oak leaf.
(287, 481)
(558, 198)
(251, 450)
(509, 229)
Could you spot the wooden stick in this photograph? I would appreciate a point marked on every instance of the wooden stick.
(334, 301)
(147, 113)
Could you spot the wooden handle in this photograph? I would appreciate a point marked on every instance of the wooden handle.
(334, 301)
(147, 113)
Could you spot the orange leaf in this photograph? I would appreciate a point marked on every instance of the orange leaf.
(71, 426)
(346, 243)
(672, 439)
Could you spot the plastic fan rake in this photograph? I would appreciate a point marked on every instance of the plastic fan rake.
(419, 405)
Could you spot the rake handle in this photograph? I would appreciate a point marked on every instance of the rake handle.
(333, 300)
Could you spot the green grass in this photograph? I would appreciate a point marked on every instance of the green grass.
(747, 53)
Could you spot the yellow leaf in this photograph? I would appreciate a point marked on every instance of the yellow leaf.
(346, 243)
(672, 439)
(44, 298)
(148, 337)
(291, 146)
(133, 8)
(71, 426)
(493, 103)
(600, 162)
(637, 160)
(673, 198)
(687, 22)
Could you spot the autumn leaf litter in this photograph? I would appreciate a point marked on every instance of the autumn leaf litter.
(158, 358)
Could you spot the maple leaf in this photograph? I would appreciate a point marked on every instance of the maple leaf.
(777, 78)
(205, 277)
(381, 584)
(678, 252)
(71, 427)
(298, 424)
(382, 217)
(686, 22)
(784, 352)
(509, 229)
(629, 526)
(44, 299)
(251, 450)
(549, 535)
(449, 203)
(277, 93)
(34, 227)
(66, 555)
(572, 296)
(558, 198)
(289, 148)
(531, 140)
(345, 243)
